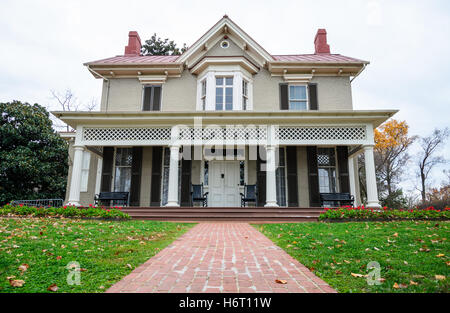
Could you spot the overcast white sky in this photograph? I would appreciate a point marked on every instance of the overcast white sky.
(44, 43)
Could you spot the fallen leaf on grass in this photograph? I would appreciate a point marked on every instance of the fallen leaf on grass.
(348, 262)
(23, 268)
(399, 286)
(129, 265)
(395, 235)
(338, 272)
(413, 283)
(16, 282)
(448, 263)
(59, 257)
(439, 277)
(358, 275)
(440, 255)
(280, 281)
(52, 287)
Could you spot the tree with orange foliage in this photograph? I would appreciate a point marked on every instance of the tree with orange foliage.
(391, 154)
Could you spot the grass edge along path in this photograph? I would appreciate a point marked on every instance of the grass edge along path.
(413, 255)
(35, 252)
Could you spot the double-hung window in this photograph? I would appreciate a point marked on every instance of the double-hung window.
(224, 93)
(298, 99)
(244, 94)
(203, 95)
(85, 171)
(152, 98)
(326, 162)
(122, 174)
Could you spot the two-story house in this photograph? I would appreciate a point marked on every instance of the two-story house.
(226, 113)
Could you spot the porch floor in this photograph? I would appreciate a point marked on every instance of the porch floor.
(247, 214)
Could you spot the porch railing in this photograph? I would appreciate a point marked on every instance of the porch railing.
(39, 202)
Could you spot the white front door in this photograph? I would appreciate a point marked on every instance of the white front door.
(224, 184)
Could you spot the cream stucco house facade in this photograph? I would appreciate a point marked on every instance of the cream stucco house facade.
(224, 114)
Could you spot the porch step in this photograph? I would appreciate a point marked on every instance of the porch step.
(248, 214)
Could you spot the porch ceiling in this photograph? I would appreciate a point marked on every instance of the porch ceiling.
(374, 117)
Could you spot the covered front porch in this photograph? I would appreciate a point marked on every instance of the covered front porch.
(290, 164)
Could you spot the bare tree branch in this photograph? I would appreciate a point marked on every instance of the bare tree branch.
(426, 158)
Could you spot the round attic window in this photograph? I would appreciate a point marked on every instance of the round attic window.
(224, 44)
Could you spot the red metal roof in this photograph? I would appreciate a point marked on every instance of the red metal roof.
(322, 57)
(136, 59)
(150, 59)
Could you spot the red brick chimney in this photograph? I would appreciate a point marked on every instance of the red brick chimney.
(320, 42)
(134, 44)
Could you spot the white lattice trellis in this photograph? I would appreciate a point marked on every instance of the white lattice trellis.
(289, 135)
(122, 134)
(218, 133)
(356, 133)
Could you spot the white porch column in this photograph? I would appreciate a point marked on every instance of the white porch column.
(371, 181)
(351, 174)
(356, 178)
(172, 192)
(75, 182)
(271, 185)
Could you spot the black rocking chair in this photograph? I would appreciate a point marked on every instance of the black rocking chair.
(198, 195)
(250, 195)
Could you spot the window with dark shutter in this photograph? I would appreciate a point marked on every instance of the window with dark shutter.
(291, 158)
(313, 177)
(107, 168)
(136, 169)
(313, 102)
(261, 177)
(284, 97)
(342, 156)
(152, 98)
(186, 169)
(155, 193)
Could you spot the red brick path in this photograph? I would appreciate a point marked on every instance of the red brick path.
(221, 257)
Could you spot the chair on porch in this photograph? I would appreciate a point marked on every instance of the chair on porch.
(198, 195)
(250, 195)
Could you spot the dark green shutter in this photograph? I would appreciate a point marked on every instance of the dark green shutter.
(147, 98)
(261, 181)
(186, 169)
(342, 157)
(292, 185)
(313, 176)
(313, 101)
(136, 169)
(155, 193)
(284, 97)
(156, 101)
(107, 169)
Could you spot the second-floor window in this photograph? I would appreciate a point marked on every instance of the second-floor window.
(298, 97)
(203, 95)
(152, 98)
(244, 94)
(224, 93)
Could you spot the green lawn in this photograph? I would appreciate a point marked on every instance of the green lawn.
(105, 250)
(410, 254)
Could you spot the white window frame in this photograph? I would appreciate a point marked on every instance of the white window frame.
(336, 168)
(85, 165)
(113, 185)
(204, 86)
(210, 98)
(306, 98)
(244, 94)
(224, 87)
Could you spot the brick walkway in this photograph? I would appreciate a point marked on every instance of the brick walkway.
(221, 257)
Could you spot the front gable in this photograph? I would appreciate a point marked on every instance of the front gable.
(225, 29)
